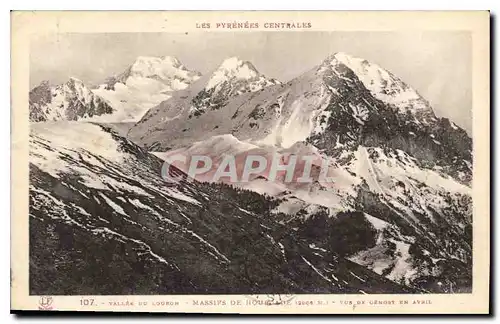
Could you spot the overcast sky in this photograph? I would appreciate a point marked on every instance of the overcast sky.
(436, 64)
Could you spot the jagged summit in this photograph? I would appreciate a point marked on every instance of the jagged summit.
(144, 84)
(172, 59)
(232, 78)
(76, 84)
(74, 80)
(160, 67)
(382, 84)
(235, 63)
(44, 83)
(233, 69)
(166, 58)
(340, 56)
(153, 61)
(72, 100)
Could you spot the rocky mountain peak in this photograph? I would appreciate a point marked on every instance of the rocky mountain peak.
(144, 63)
(44, 84)
(382, 84)
(163, 68)
(144, 84)
(76, 87)
(73, 80)
(71, 100)
(233, 69)
(234, 64)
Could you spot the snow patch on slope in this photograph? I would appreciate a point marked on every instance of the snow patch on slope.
(52, 142)
(131, 100)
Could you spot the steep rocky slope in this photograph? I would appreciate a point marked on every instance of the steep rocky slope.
(103, 221)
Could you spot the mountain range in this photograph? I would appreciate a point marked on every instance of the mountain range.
(398, 217)
(121, 98)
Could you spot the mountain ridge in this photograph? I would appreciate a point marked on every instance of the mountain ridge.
(327, 104)
(71, 100)
(145, 83)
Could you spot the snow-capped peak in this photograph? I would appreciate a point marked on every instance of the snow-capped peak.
(143, 85)
(72, 100)
(165, 67)
(75, 80)
(234, 64)
(172, 59)
(382, 84)
(368, 73)
(232, 68)
(342, 57)
(76, 86)
(142, 61)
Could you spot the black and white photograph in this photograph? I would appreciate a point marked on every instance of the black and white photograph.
(252, 159)
(395, 217)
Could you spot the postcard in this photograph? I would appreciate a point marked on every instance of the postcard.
(258, 162)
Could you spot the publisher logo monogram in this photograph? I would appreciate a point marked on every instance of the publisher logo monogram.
(45, 303)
